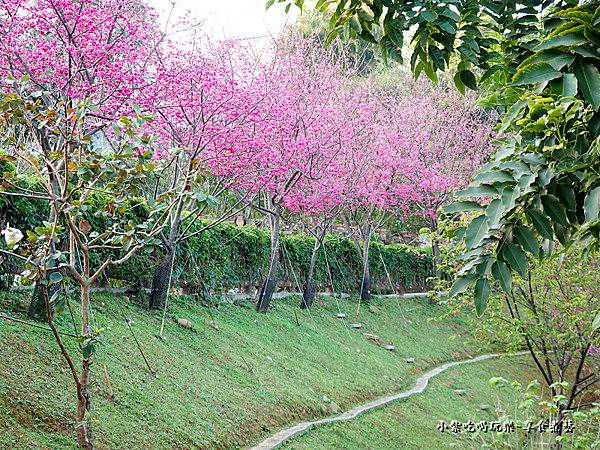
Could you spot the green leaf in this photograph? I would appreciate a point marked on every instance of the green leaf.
(484, 190)
(436, 56)
(596, 17)
(444, 40)
(428, 15)
(567, 40)
(566, 194)
(501, 273)
(512, 113)
(527, 239)
(596, 323)
(459, 84)
(470, 42)
(553, 208)
(494, 212)
(450, 14)
(475, 231)
(468, 79)
(461, 284)
(396, 37)
(463, 206)
(482, 294)
(568, 85)
(555, 57)
(516, 258)
(365, 12)
(535, 73)
(509, 196)
(88, 350)
(56, 277)
(493, 176)
(591, 205)
(355, 24)
(562, 233)
(540, 223)
(468, 53)
(589, 82)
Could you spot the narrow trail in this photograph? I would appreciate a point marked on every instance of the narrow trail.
(278, 439)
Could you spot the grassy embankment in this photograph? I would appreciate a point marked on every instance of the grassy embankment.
(411, 424)
(220, 389)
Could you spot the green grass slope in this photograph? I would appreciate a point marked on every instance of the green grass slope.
(410, 424)
(221, 388)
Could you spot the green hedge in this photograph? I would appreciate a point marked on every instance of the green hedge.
(228, 256)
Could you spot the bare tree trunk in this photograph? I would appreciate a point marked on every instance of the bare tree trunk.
(162, 275)
(160, 281)
(365, 292)
(85, 438)
(310, 289)
(270, 284)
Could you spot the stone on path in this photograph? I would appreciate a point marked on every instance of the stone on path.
(409, 360)
(371, 336)
(326, 399)
(184, 323)
(389, 347)
(355, 325)
(331, 408)
(484, 407)
(374, 309)
(340, 316)
(459, 391)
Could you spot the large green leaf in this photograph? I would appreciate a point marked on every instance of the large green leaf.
(475, 231)
(463, 206)
(459, 84)
(428, 15)
(596, 17)
(436, 56)
(501, 273)
(527, 239)
(493, 175)
(596, 323)
(568, 85)
(554, 209)
(566, 194)
(461, 284)
(509, 196)
(482, 294)
(536, 72)
(494, 212)
(541, 223)
(483, 190)
(468, 79)
(591, 205)
(566, 40)
(556, 58)
(589, 82)
(516, 258)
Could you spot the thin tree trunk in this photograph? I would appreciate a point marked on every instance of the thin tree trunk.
(270, 284)
(160, 281)
(365, 292)
(85, 437)
(162, 275)
(310, 289)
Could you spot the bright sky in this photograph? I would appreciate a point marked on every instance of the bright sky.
(232, 18)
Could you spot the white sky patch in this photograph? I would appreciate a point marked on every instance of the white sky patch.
(231, 18)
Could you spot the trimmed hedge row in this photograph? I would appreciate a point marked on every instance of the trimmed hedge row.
(228, 256)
